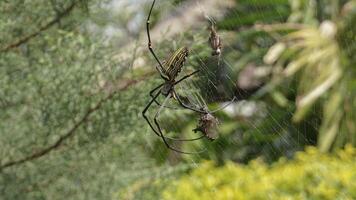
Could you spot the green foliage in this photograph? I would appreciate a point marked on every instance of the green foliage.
(74, 80)
(251, 12)
(68, 120)
(318, 59)
(311, 175)
(312, 74)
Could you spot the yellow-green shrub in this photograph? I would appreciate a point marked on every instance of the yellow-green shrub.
(310, 175)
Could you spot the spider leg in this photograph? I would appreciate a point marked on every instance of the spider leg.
(154, 130)
(159, 68)
(161, 134)
(178, 99)
(152, 95)
(184, 105)
(145, 110)
(186, 76)
(224, 106)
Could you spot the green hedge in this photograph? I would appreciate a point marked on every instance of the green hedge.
(310, 175)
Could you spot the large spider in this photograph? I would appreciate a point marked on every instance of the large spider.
(169, 71)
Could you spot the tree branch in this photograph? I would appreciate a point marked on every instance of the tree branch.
(72, 130)
(25, 39)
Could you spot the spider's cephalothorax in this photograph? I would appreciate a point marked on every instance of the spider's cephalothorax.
(215, 41)
(208, 125)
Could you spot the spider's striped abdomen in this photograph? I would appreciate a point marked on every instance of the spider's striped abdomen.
(174, 63)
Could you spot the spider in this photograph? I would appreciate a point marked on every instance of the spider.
(168, 71)
(208, 123)
(214, 40)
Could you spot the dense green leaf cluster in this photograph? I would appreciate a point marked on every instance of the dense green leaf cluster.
(311, 175)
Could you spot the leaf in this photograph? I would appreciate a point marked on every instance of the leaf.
(294, 66)
(280, 99)
(319, 90)
(274, 53)
(327, 138)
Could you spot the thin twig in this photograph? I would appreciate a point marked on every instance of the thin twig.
(25, 39)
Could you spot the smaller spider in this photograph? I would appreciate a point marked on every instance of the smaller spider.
(208, 123)
(215, 40)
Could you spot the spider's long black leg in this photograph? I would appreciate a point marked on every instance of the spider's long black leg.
(186, 76)
(153, 91)
(184, 105)
(175, 139)
(161, 134)
(145, 110)
(160, 69)
(146, 118)
(154, 130)
(224, 106)
(152, 95)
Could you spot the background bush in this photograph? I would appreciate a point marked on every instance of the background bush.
(310, 175)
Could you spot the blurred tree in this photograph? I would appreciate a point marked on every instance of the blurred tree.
(297, 51)
(70, 123)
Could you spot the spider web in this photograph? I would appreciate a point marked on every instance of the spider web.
(220, 78)
(116, 151)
